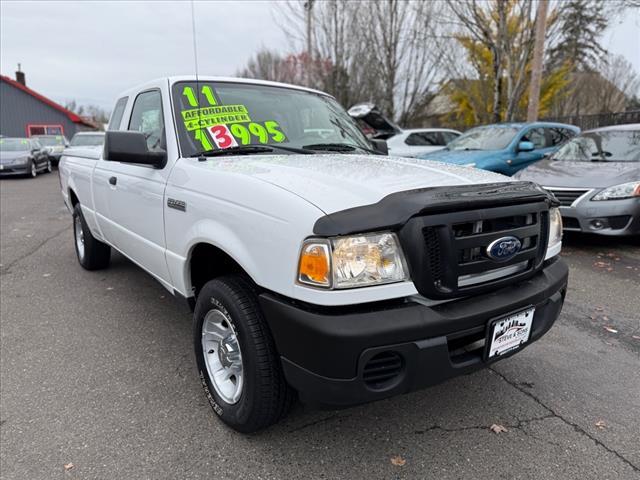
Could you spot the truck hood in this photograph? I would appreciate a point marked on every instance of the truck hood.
(460, 157)
(335, 182)
(562, 173)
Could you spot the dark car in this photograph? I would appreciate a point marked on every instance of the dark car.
(596, 178)
(23, 156)
(505, 147)
(54, 145)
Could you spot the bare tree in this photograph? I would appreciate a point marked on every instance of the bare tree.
(384, 52)
(505, 28)
(620, 84)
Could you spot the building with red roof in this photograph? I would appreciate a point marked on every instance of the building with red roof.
(25, 112)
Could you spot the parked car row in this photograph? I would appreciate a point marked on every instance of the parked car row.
(595, 175)
(30, 156)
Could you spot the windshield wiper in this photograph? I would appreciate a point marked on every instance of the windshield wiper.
(338, 147)
(248, 150)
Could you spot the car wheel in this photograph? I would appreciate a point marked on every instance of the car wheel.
(33, 170)
(236, 357)
(49, 167)
(92, 254)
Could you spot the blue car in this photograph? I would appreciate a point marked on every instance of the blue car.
(505, 147)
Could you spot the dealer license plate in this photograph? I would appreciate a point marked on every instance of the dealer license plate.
(509, 333)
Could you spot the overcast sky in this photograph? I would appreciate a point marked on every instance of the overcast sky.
(90, 50)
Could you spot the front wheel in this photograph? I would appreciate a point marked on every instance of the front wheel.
(92, 254)
(49, 168)
(236, 357)
(33, 170)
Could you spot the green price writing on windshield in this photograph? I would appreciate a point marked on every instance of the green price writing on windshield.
(270, 131)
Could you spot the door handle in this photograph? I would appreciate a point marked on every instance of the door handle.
(113, 180)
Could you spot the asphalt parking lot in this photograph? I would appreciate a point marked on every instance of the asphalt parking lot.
(97, 371)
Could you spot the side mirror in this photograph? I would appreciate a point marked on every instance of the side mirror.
(131, 147)
(526, 146)
(380, 146)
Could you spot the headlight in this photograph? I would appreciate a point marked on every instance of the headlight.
(555, 233)
(355, 261)
(20, 160)
(618, 192)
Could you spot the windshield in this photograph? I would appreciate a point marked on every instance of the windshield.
(87, 140)
(51, 141)
(603, 146)
(484, 138)
(235, 114)
(14, 145)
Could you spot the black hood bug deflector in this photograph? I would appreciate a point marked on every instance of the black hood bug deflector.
(394, 210)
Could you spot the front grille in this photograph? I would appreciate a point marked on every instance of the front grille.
(382, 369)
(566, 196)
(451, 257)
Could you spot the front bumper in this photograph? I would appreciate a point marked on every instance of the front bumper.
(606, 217)
(325, 351)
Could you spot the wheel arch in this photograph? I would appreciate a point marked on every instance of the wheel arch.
(206, 262)
(73, 198)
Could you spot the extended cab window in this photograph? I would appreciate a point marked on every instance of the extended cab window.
(118, 112)
(146, 117)
(219, 115)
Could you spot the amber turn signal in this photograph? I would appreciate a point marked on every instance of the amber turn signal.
(314, 267)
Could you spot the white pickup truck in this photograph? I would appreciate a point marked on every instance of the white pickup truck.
(316, 265)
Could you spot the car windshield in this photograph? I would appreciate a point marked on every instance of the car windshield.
(236, 114)
(51, 141)
(14, 144)
(484, 138)
(603, 146)
(87, 140)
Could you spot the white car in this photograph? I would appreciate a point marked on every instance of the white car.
(416, 141)
(315, 265)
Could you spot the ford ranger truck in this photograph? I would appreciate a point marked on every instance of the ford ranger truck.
(316, 266)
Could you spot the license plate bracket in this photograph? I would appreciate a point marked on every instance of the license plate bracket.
(508, 333)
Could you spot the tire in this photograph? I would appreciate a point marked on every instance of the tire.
(92, 254)
(33, 170)
(49, 168)
(264, 397)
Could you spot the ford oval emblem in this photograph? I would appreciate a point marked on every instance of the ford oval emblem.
(503, 249)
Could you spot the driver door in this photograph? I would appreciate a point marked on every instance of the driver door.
(130, 197)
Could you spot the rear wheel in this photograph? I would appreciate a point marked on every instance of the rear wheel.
(237, 360)
(92, 254)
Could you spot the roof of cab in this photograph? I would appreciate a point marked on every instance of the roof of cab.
(204, 78)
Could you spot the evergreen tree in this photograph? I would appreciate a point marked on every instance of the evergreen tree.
(581, 24)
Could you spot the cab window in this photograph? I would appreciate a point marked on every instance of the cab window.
(146, 117)
(428, 139)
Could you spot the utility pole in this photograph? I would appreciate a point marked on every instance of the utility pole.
(536, 67)
(309, 8)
